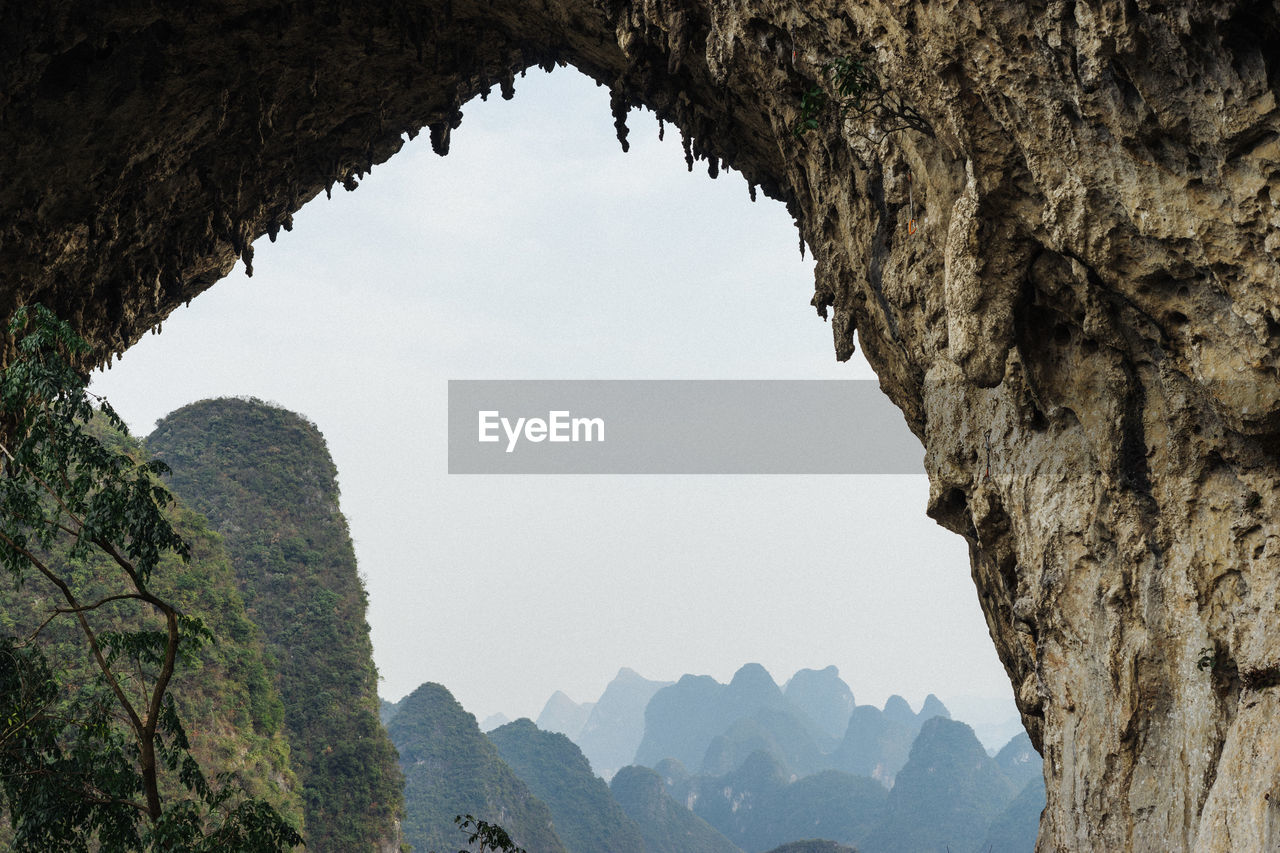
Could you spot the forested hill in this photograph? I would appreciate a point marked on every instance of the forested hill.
(587, 817)
(264, 478)
(451, 768)
(224, 694)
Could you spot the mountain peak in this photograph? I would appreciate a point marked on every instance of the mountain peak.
(896, 708)
(933, 707)
(754, 678)
(824, 697)
(562, 714)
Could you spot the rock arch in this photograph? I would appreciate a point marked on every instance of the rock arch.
(1084, 335)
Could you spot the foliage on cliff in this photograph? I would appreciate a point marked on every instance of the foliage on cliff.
(224, 695)
(264, 478)
(126, 723)
(451, 768)
(586, 816)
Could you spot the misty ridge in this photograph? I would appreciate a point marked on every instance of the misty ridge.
(697, 765)
(650, 766)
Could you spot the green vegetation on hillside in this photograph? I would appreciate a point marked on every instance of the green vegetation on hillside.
(125, 724)
(586, 816)
(264, 478)
(223, 693)
(451, 768)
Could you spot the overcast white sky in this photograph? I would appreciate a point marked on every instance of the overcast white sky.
(538, 250)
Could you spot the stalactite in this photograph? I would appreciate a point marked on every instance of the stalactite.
(439, 138)
(620, 106)
(441, 130)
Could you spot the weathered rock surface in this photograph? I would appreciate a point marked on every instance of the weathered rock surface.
(1083, 331)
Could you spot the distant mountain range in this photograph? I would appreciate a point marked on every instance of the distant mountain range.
(711, 728)
(608, 731)
(536, 784)
(744, 767)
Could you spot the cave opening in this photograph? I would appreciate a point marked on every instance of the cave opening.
(537, 249)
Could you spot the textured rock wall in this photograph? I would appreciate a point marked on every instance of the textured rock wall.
(1083, 331)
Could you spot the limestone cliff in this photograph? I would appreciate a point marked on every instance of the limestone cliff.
(264, 478)
(1083, 330)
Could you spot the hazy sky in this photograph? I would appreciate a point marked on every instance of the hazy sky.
(538, 250)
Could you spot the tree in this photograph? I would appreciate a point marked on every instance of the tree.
(490, 836)
(103, 763)
(859, 93)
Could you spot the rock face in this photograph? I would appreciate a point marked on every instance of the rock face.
(1081, 325)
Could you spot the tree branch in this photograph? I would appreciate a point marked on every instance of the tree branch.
(98, 657)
